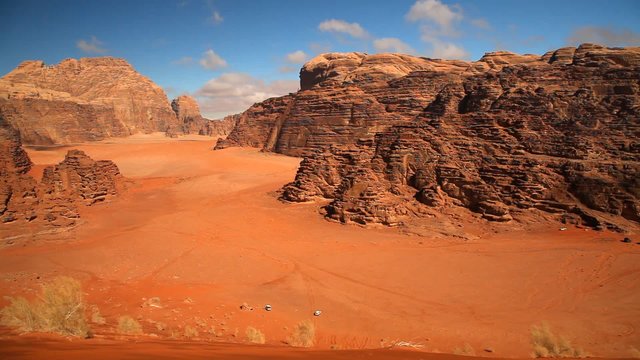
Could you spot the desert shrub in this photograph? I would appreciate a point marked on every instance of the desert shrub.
(96, 316)
(20, 314)
(546, 344)
(466, 350)
(304, 334)
(190, 332)
(129, 326)
(255, 336)
(60, 308)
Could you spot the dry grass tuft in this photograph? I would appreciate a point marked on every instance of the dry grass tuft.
(96, 317)
(255, 336)
(190, 332)
(546, 344)
(129, 326)
(466, 350)
(304, 334)
(59, 309)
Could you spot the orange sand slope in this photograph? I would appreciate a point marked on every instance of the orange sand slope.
(203, 231)
(108, 350)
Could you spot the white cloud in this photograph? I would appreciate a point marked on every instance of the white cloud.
(341, 26)
(93, 46)
(231, 93)
(212, 61)
(481, 24)
(436, 12)
(297, 57)
(604, 36)
(288, 69)
(440, 48)
(319, 48)
(185, 60)
(392, 45)
(443, 50)
(216, 18)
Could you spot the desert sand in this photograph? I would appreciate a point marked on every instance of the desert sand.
(203, 231)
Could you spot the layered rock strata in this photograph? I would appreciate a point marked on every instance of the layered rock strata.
(393, 137)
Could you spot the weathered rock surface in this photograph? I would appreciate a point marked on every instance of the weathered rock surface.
(190, 121)
(391, 137)
(82, 100)
(76, 181)
(18, 195)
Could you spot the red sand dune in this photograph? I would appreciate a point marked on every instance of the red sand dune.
(203, 231)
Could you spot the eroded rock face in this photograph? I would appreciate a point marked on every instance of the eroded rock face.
(392, 137)
(82, 100)
(190, 121)
(18, 195)
(259, 126)
(76, 181)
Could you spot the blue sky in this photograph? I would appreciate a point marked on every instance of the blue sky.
(231, 53)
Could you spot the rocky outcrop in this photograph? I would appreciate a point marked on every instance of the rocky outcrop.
(190, 121)
(259, 126)
(390, 138)
(76, 181)
(82, 100)
(18, 194)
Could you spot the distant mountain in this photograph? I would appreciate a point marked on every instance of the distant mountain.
(82, 100)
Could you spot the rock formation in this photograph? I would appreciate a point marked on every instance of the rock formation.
(190, 121)
(82, 100)
(78, 180)
(388, 137)
(18, 195)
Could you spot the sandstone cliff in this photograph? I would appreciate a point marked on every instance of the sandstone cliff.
(190, 121)
(388, 138)
(82, 100)
(76, 181)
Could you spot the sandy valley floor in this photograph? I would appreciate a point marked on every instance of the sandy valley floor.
(203, 231)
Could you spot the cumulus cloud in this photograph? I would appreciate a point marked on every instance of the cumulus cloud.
(436, 12)
(297, 57)
(319, 48)
(392, 45)
(212, 61)
(341, 26)
(93, 46)
(231, 93)
(438, 24)
(604, 36)
(445, 50)
(216, 18)
(288, 69)
(440, 48)
(481, 24)
(185, 60)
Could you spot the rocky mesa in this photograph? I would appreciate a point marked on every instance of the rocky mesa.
(82, 100)
(77, 181)
(190, 121)
(391, 138)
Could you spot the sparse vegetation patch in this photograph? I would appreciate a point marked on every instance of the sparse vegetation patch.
(255, 336)
(60, 308)
(304, 334)
(548, 345)
(129, 326)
